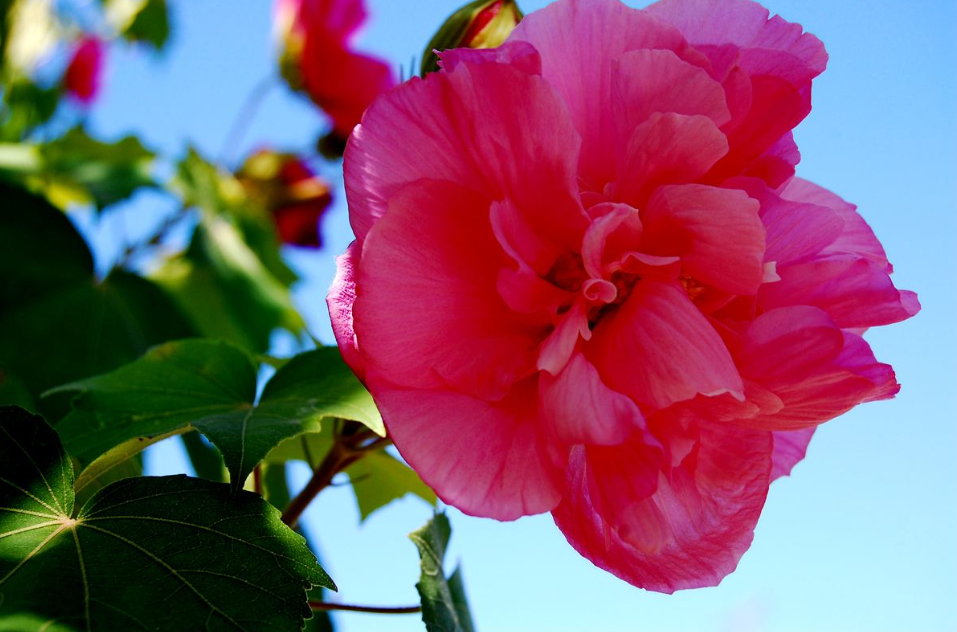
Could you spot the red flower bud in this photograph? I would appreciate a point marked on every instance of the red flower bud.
(82, 77)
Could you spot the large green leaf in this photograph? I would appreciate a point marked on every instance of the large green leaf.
(166, 554)
(211, 386)
(58, 323)
(444, 606)
(78, 169)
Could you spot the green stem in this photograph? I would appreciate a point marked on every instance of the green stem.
(325, 605)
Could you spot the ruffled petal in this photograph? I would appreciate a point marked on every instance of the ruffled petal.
(717, 233)
(464, 127)
(340, 300)
(854, 291)
(649, 81)
(668, 149)
(790, 447)
(427, 312)
(742, 23)
(695, 527)
(578, 407)
(796, 230)
(816, 370)
(659, 349)
(856, 237)
(580, 42)
(487, 459)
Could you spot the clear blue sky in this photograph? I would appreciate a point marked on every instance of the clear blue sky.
(863, 536)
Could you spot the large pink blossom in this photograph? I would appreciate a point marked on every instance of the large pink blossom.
(586, 280)
(318, 51)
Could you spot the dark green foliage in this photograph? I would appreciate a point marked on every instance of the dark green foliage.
(139, 546)
(444, 605)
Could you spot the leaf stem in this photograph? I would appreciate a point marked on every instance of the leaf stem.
(352, 442)
(245, 117)
(158, 235)
(325, 605)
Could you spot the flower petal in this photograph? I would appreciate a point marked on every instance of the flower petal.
(692, 531)
(427, 312)
(668, 149)
(854, 291)
(717, 233)
(856, 237)
(579, 408)
(790, 448)
(340, 300)
(464, 127)
(487, 459)
(659, 349)
(649, 81)
(580, 42)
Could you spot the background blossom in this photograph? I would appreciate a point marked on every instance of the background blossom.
(605, 218)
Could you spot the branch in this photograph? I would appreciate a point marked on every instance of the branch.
(325, 605)
(352, 442)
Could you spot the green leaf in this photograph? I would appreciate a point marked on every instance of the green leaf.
(13, 392)
(76, 169)
(168, 554)
(57, 322)
(379, 478)
(226, 290)
(211, 386)
(444, 606)
(27, 106)
(150, 25)
(202, 184)
(206, 460)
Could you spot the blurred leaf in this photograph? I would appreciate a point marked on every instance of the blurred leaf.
(206, 460)
(444, 606)
(33, 33)
(27, 106)
(204, 185)
(151, 24)
(76, 169)
(211, 386)
(227, 558)
(379, 478)
(13, 392)
(225, 290)
(57, 323)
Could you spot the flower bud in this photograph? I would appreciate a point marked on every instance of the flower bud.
(479, 24)
(287, 188)
(82, 77)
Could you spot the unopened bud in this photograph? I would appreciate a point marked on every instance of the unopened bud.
(479, 24)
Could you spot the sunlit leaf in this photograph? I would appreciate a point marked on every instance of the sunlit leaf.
(379, 478)
(211, 386)
(76, 169)
(119, 562)
(140, 20)
(444, 606)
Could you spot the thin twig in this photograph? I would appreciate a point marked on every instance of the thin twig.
(352, 442)
(158, 236)
(245, 117)
(325, 605)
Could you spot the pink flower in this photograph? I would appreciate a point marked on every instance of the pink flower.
(82, 77)
(585, 279)
(318, 57)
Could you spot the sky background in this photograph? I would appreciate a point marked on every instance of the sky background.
(863, 535)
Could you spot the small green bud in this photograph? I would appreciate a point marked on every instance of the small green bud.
(479, 24)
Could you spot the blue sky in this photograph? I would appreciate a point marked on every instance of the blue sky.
(862, 537)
